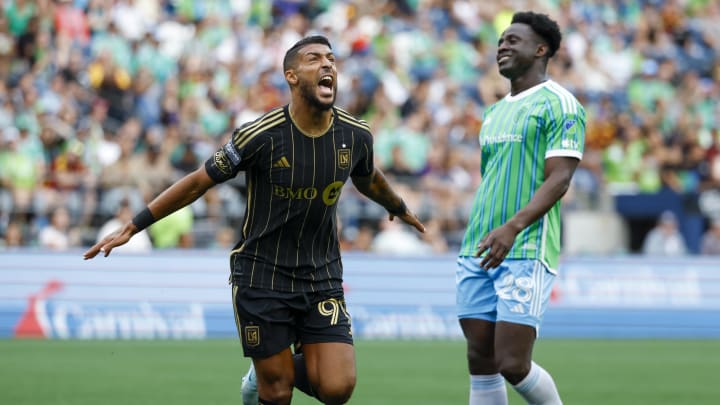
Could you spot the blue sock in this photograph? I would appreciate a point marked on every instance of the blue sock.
(488, 390)
(538, 387)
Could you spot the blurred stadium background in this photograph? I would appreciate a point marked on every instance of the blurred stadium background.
(103, 103)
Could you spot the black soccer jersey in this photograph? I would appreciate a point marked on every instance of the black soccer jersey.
(289, 237)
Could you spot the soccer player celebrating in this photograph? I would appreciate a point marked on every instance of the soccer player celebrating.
(531, 143)
(286, 270)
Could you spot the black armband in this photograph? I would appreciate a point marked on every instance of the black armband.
(402, 209)
(144, 219)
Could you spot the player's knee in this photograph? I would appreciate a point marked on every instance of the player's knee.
(277, 396)
(336, 392)
(277, 390)
(481, 360)
(514, 369)
(475, 354)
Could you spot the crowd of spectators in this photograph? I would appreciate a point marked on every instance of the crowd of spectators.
(103, 103)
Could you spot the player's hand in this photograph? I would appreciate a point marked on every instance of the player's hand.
(497, 244)
(411, 219)
(108, 243)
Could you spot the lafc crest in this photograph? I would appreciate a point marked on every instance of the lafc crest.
(343, 158)
(252, 335)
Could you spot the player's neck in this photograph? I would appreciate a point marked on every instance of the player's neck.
(526, 81)
(310, 120)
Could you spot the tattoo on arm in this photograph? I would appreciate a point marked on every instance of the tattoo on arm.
(377, 188)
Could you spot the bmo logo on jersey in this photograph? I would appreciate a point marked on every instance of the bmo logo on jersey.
(332, 192)
(329, 194)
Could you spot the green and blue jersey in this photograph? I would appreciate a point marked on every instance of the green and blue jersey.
(518, 134)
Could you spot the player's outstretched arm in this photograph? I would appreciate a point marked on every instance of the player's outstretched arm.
(377, 188)
(178, 195)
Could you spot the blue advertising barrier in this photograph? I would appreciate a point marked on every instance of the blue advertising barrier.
(185, 295)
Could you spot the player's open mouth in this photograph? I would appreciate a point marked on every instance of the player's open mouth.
(326, 85)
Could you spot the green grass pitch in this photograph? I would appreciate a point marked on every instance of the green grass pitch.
(588, 372)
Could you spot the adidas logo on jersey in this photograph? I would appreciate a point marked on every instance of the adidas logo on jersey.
(282, 162)
(518, 309)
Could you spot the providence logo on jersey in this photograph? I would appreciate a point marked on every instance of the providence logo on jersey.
(502, 138)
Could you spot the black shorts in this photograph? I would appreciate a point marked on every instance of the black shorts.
(270, 321)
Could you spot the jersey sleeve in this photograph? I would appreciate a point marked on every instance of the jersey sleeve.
(365, 165)
(565, 128)
(233, 157)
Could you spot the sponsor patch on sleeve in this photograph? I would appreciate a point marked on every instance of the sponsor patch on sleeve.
(232, 153)
(220, 161)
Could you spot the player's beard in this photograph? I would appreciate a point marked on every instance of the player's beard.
(307, 92)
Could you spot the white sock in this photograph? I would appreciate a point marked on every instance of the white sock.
(488, 390)
(538, 387)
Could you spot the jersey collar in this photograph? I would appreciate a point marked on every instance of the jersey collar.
(526, 93)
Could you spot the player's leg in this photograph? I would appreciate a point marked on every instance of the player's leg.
(275, 377)
(487, 385)
(514, 353)
(249, 388)
(476, 302)
(330, 369)
(523, 290)
(301, 376)
(265, 322)
(326, 367)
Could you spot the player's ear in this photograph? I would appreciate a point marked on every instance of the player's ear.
(542, 50)
(291, 77)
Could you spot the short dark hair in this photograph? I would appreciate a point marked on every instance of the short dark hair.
(290, 55)
(543, 26)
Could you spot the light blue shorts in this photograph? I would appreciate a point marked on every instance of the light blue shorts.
(517, 291)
